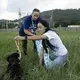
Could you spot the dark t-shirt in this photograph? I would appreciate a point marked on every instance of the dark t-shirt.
(29, 25)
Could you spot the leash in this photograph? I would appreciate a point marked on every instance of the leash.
(17, 45)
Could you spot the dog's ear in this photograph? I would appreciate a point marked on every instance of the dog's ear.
(8, 57)
(13, 55)
(16, 54)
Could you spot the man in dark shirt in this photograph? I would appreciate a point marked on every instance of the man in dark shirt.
(28, 28)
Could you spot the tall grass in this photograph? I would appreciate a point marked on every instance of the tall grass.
(30, 63)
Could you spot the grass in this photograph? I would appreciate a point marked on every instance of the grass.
(30, 64)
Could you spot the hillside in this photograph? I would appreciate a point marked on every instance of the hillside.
(59, 17)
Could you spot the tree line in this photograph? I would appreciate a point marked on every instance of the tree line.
(62, 17)
(55, 18)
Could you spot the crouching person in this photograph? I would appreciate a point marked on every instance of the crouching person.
(50, 48)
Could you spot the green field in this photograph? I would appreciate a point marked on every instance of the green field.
(30, 64)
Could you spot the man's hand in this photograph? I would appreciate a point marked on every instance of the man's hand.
(28, 32)
(19, 38)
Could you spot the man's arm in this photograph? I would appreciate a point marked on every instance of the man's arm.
(26, 25)
(34, 37)
(37, 37)
(28, 32)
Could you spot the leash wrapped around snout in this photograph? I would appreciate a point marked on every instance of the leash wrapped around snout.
(18, 48)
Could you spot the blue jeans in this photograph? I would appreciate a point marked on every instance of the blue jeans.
(58, 61)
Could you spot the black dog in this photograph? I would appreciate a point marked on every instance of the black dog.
(13, 67)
